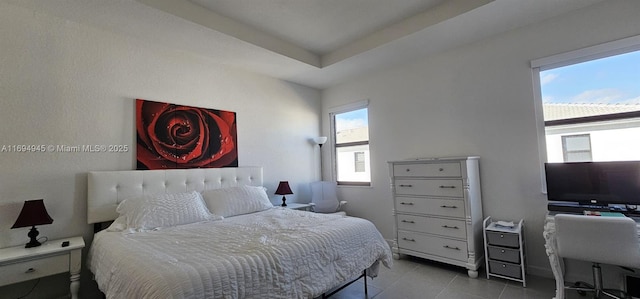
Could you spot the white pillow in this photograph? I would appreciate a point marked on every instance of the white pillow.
(163, 210)
(233, 201)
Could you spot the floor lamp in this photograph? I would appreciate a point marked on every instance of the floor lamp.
(320, 141)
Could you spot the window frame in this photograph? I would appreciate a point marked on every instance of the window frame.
(603, 50)
(334, 166)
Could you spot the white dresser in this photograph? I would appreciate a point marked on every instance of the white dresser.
(438, 210)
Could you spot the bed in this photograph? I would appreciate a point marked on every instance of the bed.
(244, 248)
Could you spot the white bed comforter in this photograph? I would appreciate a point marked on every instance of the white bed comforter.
(277, 253)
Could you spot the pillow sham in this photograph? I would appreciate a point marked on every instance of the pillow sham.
(163, 210)
(232, 201)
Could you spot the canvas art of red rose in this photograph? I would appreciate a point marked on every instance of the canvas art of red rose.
(176, 136)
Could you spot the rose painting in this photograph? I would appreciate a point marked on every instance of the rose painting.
(175, 136)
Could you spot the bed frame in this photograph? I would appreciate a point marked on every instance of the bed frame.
(106, 189)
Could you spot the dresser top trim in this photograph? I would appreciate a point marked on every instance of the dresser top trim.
(435, 159)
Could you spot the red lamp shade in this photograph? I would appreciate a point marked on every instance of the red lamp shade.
(284, 189)
(33, 213)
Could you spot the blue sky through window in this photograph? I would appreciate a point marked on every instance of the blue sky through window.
(351, 120)
(611, 80)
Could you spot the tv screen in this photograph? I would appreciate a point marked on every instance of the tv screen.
(599, 183)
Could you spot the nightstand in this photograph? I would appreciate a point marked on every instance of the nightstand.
(21, 264)
(300, 206)
(504, 250)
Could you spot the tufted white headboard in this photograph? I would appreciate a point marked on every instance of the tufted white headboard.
(106, 189)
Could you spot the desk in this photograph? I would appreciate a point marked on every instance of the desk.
(21, 264)
(557, 265)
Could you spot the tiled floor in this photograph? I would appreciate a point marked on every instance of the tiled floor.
(414, 278)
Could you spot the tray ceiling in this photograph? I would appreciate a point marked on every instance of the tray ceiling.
(317, 43)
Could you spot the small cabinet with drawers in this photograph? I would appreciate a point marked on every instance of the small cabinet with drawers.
(438, 210)
(19, 264)
(504, 249)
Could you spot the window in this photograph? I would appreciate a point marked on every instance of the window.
(590, 103)
(359, 161)
(576, 148)
(350, 126)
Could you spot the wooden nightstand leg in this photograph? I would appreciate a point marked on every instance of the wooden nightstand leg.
(74, 268)
(75, 285)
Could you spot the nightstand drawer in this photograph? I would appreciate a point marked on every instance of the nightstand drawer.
(32, 269)
(505, 269)
(503, 239)
(504, 254)
(428, 170)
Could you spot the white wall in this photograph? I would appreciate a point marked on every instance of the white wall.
(66, 83)
(474, 100)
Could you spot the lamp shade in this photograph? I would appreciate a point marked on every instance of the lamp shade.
(320, 140)
(33, 213)
(283, 188)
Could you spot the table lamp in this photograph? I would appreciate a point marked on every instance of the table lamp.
(33, 213)
(284, 189)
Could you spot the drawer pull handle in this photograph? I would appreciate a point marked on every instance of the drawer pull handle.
(504, 266)
(448, 207)
(447, 187)
(408, 169)
(403, 185)
(441, 169)
(406, 203)
(502, 251)
(501, 236)
(407, 239)
(454, 227)
(408, 221)
(449, 247)
(30, 270)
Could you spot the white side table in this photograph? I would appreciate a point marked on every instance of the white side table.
(21, 264)
(504, 250)
(300, 206)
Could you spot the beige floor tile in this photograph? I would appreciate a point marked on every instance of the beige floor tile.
(480, 286)
(415, 278)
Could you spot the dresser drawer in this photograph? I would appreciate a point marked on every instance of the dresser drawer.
(440, 188)
(428, 170)
(438, 226)
(503, 239)
(505, 269)
(430, 206)
(504, 254)
(442, 247)
(27, 270)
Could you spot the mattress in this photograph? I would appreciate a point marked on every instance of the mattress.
(277, 253)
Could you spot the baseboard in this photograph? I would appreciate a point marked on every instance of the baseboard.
(540, 271)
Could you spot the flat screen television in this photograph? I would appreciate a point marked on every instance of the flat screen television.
(596, 183)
